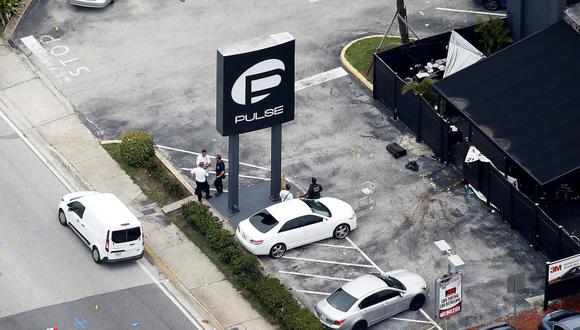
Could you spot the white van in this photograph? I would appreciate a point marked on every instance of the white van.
(104, 224)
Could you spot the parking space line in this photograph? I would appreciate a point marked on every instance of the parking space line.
(240, 175)
(320, 78)
(197, 153)
(313, 292)
(409, 320)
(364, 255)
(317, 276)
(335, 246)
(471, 12)
(430, 319)
(329, 262)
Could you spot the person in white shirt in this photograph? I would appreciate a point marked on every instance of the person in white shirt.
(200, 175)
(285, 194)
(203, 158)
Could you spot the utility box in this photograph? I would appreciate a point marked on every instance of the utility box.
(456, 265)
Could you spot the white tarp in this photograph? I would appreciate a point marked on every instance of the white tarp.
(460, 54)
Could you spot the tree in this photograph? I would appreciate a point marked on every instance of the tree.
(494, 34)
(8, 8)
(424, 87)
(402, 20)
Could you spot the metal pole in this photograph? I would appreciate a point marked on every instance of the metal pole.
(276, 163)
(234, 170)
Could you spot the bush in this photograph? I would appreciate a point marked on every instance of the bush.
(248, 273)
(137, 148)
(8, 8)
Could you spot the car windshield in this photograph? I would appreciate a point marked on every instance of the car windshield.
(317, 207)
(341, 300)
(391, 281)
(263, 221)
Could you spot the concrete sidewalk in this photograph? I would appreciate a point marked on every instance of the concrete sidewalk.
(48, 121)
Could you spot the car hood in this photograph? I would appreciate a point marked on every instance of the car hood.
(329, 311)
(412, 281)
(338, 208)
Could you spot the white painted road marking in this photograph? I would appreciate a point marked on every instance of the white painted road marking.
(320, 78)
(409, 320)
(329, 262)
(364, 255)
(313, 292)
(240, 175)
(36, 49)
(316, 276)
(471, 12)
(197, 153)
(335, 246)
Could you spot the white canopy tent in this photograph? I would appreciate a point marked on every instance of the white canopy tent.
(460, 54)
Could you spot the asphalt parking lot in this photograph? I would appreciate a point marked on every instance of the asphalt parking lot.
(151, 65)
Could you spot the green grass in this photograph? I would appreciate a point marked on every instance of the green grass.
(199, 240)
(153, 182)
(360, 53)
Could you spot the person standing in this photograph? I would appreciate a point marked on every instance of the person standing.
(200, 175)
(203, 158)
(220, 173)
(285, 194)
(314, 190)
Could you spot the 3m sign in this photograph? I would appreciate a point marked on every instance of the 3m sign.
(448, 295)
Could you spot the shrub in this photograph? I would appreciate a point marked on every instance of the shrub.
(8, 8)
(137, 148)
(494, 34)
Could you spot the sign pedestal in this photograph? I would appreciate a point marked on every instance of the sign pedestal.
(234, 170)
(276, 163)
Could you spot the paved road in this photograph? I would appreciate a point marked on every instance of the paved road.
(47, 276)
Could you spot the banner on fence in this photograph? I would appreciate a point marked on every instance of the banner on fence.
(564, 269)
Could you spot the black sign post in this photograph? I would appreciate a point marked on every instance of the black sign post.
(255, 90)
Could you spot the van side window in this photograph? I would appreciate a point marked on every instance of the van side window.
(78, 208)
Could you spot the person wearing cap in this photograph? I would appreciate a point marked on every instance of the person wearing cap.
(220, 173)
(200, 176)
(314, 190)
(203, 158)
(285, 194)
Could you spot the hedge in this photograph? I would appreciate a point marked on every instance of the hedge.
(248, 273)
(137, 148)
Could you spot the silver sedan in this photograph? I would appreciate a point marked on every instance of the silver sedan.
(91, 3)
(372, 298)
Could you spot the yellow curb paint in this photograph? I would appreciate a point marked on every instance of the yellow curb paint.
(351, 68)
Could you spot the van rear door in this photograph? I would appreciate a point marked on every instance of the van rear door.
(125, 242)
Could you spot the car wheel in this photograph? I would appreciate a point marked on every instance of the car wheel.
(96, 255)
(491, 4)
(277, 251)
(341, 231)
(417, 302)
(361, 325)
(113, 1)
(62, 218)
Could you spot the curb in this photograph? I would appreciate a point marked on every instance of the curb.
(351, 68)
(13, 23)
(155, 259)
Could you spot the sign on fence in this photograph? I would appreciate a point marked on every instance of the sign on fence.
(564, 269)
(448, 295)
(562, 278)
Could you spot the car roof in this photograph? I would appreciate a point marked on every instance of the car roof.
(110, 210)
(364, 285)
(289, 210)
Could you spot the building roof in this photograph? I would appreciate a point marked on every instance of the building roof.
(526, 99)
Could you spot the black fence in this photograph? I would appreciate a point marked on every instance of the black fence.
(413, 110)
(522, 213)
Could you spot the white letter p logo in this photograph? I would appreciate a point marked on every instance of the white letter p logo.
(256, 83)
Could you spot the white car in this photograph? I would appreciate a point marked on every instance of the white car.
(91, 3)
(104, 224)
(294, 223)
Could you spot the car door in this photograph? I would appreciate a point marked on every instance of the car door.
(75, 214)
(371, 309)
(291, 234)
(316, 228)
(392, 302)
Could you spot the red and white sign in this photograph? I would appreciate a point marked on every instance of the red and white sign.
(564, 269)
(448, 295)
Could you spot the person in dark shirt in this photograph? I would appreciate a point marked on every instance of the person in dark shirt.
(220, 172)
(314, 190)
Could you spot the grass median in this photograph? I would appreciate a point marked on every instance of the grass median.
(360, 53)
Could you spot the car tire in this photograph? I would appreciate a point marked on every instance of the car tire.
(417, 302)
(62, 218)
(341, 231)
(277, 251)
(96, 255)
(360, 325)
(492, 5)
(113, 1)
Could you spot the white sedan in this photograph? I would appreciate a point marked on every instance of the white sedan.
(294, 223)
